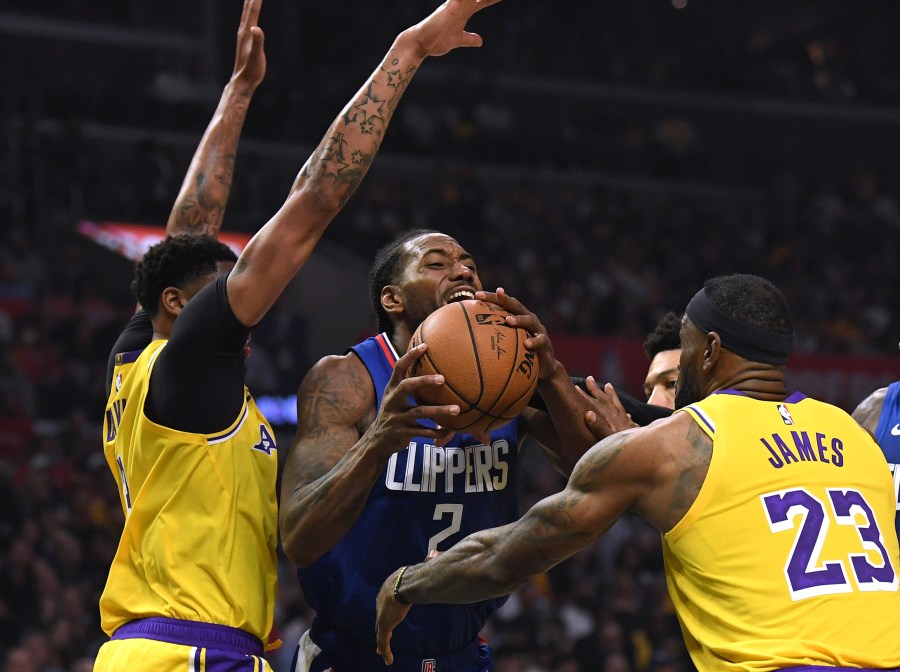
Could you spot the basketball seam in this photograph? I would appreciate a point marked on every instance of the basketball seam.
(437, 370)
(509, 375)
(475, 351)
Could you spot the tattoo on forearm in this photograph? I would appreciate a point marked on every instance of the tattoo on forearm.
(345, 155)
(200, 209)
(553, 524)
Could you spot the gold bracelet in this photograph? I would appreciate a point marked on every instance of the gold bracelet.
(397, 586)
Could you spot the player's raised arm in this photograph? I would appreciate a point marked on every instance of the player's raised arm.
(204, 193)
(342, 159)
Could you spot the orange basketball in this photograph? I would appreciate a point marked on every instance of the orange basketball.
(487, 369)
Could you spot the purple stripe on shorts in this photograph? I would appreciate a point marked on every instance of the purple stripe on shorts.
(191, 633)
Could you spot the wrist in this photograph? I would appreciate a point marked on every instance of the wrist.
(239, 87)
(556, 373)
(408, 47)
(398, 582)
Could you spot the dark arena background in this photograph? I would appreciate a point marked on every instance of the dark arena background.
(598, 159)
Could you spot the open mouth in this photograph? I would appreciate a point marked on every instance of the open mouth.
(461, 295)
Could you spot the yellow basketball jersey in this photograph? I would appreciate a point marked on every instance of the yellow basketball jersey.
(200, 513)
(789, 555)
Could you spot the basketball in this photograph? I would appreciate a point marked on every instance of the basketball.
(487, 370)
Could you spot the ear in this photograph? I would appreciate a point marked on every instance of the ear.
(712, 351)
(172, 301)
(391, 300)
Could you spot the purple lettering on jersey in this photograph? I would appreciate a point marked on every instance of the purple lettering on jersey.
(806, 577)
(114, 419)
(837, 447)
(804, 446)
(266, 442)
(820, 443)
(783, 447)
(775, 460)
(847, 503)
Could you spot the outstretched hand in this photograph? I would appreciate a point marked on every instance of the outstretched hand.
(444, 30)
(250, 58)
(397, 421)
(607, 416)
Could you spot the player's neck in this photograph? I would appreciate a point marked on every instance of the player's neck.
(162, 328)
(401, 337)
(757, 381)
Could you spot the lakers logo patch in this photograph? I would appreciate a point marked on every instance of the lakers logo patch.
(266, 442)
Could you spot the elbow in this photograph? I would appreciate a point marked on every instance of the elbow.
(317, 197)
(297, 547)
(296, 551)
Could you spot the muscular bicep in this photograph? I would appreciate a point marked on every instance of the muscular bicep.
(333, 403)
(602, 487)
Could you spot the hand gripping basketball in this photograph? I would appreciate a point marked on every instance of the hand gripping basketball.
(397, 421)
(538, 340)
(488, 370)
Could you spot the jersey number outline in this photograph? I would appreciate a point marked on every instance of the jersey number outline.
(455, 511)
(806, 575)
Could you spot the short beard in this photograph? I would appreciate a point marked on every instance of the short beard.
(687, 392)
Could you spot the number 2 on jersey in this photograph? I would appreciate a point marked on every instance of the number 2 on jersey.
(806, 574)
(455, 511)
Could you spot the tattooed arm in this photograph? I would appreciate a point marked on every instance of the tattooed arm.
(657, 471)
(342, 447)
(339, 163)
(868, 413)
(204, 193)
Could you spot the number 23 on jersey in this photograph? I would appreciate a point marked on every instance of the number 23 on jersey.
(806, 571)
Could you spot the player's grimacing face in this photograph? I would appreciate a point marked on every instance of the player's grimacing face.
(438, 271)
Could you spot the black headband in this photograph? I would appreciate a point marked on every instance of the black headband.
(753, 343)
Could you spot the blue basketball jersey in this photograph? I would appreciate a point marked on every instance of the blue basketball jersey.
(428, 497)
(887, 434)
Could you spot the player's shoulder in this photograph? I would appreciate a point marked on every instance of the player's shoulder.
(868, 412)
(675, 440)
(656, 445)
(337, 366)
(339, 381)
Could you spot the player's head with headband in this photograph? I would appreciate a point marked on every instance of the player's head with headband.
(736, 326)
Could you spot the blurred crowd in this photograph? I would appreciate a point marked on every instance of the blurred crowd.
(598, 208)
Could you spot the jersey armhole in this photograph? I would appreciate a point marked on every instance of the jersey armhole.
(713, 474)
